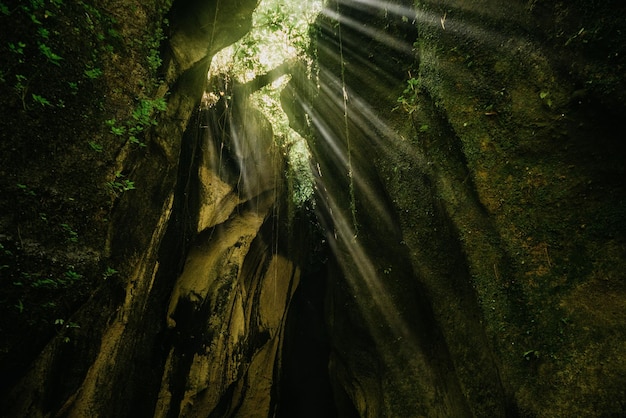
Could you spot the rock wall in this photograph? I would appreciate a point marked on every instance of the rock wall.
(469, 169)
(191, 323)
(469, 174)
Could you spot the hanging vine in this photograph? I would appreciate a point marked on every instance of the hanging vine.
(347, 126)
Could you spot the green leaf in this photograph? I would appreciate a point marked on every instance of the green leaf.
(43, 32)
(95, 146)
(93, 73)
(47, 52)
(41, 100)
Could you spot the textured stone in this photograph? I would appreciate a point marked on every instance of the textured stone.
(459, 205)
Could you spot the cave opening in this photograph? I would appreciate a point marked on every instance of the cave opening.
(248, 77)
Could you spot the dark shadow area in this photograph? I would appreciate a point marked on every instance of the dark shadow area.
(305, 387)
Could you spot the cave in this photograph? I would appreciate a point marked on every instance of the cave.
(325, 208)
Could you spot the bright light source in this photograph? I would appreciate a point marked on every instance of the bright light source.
(279, 34)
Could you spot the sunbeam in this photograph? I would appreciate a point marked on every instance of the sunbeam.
(367, 286)
(339, 154)
(372, 33)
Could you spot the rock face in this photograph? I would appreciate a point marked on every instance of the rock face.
(227, 308)
(195, 315)
(469, 170)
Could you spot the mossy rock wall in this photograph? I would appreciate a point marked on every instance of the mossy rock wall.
(183, 287)
(470, 175)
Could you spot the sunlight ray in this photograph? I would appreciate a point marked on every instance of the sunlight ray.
(375, 34)
(339, 156)
(385, 6)
(363, 115)
(361, 64)
(369, 291)
(446, 21)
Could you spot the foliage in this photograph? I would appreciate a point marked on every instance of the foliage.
(153, 44)
(72, 236)
(95, 146)
(51, 56)
(41, 100)
(120, 184)
(93, 73)
(57, 56)
(280, 34)
(109, 272)
(142, 117)
(407, 101)
(26, 189)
